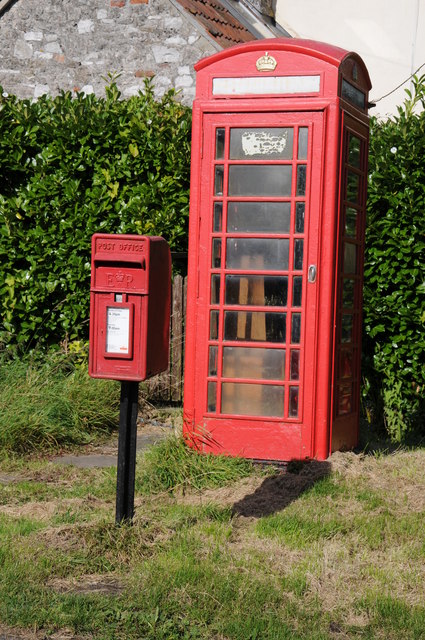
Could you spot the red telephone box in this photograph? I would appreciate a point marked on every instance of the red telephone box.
(129, 306)
(278, 194)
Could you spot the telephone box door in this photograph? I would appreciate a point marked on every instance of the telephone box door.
(258, 245)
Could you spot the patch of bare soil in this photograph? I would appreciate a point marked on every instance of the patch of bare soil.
(54, 475)
(87, 584)
(34, 510)
(224, 496)
(347, 462)
(8, 633)
(9, 478)
(45, 510)
(257, 497)
(346, 571)
(65, 537)
(399, 476)
(66, 634)
(244, 544)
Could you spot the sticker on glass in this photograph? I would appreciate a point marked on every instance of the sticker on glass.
(117, 330)
(263, 143)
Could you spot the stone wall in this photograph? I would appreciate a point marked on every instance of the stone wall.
(51, 45)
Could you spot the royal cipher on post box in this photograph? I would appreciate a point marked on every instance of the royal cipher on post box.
(129, 306)
(277, 220)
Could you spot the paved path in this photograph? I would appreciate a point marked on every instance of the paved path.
(107, 457)
(148, 434)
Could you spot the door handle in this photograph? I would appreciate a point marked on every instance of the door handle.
(312, 273)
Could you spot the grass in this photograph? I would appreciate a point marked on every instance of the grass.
(341, 556)
(173, 465)
(52, 404)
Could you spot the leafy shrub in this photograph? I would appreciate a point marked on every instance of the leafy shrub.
(45, 405)
(70, 167)
(394, 293)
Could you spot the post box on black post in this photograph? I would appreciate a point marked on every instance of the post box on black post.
(129, 333)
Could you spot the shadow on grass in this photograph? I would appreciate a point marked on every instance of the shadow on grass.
(278, 491)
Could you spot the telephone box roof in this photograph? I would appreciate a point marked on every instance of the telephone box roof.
(321, 50)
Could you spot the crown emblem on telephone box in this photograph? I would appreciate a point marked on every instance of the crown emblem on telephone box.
(266, 63)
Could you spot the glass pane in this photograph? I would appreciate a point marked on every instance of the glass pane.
(347, 328)
(216, 253)
(348, 293)
(219, 144)
(301, 179)
(346, 364)
(345, 400)
(354, 147)
(257, 253)
(252, 399)
(259, 217)
(297, 291)
(260, 180)
(215, 289)
(294, 373)
(251, 144)
(352, 94)
(350, 258)
(214, 325)
(257, 290)
(299, 217)
(298, 254)
(255, 325)
(293, 402)
(219, 180)
(302, 143)
(212, 395)
(296, 328)
(353, 183)
(218, 216)
(351, 222)
(212, 361)
(246, 362)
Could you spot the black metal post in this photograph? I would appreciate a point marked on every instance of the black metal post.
(127, 438)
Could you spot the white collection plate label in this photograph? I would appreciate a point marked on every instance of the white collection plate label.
(266, 85)
(117, 330)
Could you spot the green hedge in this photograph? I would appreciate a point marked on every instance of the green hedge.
(74, 165)
(71, 166)
(394, 292)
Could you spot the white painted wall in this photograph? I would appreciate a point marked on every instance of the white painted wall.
(388, 34)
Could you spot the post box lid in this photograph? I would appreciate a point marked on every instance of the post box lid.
(120, 247)
(120, 263)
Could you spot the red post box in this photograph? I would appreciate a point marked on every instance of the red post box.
(129, 306)
(277, 219)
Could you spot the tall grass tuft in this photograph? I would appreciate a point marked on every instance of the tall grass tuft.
(173, 465)
(50, 404)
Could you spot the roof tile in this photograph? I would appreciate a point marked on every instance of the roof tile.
(218, 21)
